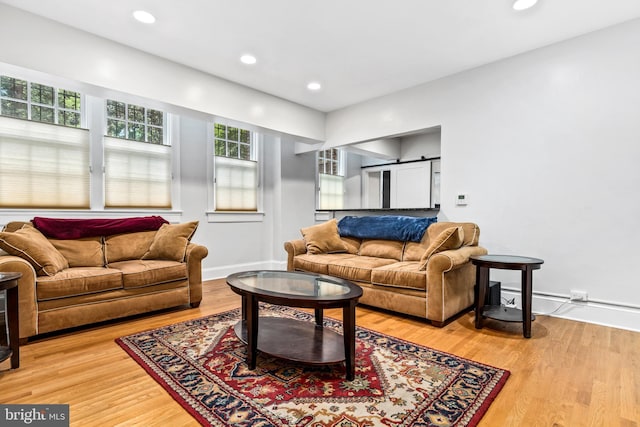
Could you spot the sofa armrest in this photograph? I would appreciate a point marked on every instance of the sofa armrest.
(450, 281)
(194, 256)
(293, 248)
(28, 308)
(453, 259)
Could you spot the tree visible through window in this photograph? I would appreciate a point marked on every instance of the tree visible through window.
(134, 122)
(232, 142)
(38, 102)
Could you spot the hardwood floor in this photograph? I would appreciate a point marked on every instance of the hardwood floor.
(568, 374)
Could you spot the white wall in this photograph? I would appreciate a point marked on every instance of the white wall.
(43, 45)
(298, 202)
(547, 145)
(412, 147)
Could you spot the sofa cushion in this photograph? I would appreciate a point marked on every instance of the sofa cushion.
(356, 268)
(317, 263)
(413, 251)
(352, 244)
(450, 238)
(85, 252)
(170, 242)
(141, 273)
(78, 281)
(323, 238)
(406, 274)
(391, 249)
(121, 247)
(31, 245)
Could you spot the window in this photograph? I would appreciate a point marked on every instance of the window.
(330, 179)
(137, 171)
(134, 122)
(38, 102)
(42, 166)
(235, 169)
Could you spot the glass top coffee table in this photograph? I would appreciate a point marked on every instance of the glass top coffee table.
(294, 339)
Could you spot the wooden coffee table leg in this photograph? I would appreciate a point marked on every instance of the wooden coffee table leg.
(252, 330)
(319, 316)
(349, 333)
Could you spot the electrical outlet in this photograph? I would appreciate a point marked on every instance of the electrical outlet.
(578, 295)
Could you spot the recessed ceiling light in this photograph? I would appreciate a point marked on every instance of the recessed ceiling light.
(524, 4)
(144, 16)
(248, 59)
(314, 86)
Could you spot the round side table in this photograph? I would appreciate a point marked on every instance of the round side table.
(9, 284)
(505, 262)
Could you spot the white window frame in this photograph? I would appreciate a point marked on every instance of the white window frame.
(257, 155)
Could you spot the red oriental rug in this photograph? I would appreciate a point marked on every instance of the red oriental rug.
(201, 363)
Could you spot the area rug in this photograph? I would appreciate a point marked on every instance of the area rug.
(201, 364)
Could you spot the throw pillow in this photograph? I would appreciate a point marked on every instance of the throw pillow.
(323, 238)
(170, 241)
(450, 238)
(30, 244)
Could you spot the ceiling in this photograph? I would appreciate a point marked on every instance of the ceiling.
(357, 49)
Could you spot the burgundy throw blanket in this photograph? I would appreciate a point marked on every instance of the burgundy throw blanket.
(76, 228)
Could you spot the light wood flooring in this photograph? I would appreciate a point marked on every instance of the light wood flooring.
(568, 374)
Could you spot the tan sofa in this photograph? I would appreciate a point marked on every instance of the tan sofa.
(73, 282)
(431, 279)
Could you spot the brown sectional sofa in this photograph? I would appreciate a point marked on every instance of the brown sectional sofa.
(390, 271)
(94, 279)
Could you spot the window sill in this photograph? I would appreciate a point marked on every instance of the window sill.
(235, 216)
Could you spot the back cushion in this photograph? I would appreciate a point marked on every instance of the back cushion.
(413, 251)
(390, 249)
(127, 246)
(85, 252)
(352, 244)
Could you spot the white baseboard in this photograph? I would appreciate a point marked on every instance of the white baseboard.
(224, 271)
(612, 315)
(615, 316)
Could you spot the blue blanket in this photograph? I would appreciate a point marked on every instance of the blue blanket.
(387, 227)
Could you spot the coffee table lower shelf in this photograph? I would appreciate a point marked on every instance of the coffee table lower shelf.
(296, 340)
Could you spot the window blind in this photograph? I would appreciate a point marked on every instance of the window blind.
(137, 174)
(331, 191)
(236, 184)
(43, 165)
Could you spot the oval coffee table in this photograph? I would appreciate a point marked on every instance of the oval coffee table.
(294, 339)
